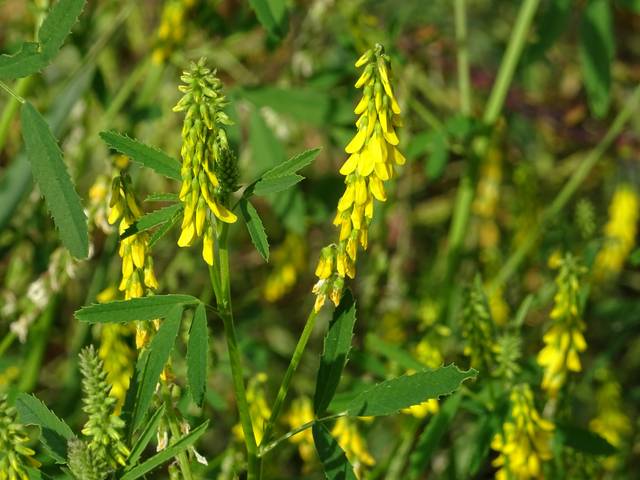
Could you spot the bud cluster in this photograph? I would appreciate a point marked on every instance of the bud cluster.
(209, 171)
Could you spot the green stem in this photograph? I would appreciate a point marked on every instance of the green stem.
(223, 297)
(10, 109)
(559, 202)
(11, 92)
(464, 196)
(286, 381)
(464, 83)
(174, 426)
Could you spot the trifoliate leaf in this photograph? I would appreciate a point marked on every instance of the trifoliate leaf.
(152, 219)
(334, 461)
(276, 184)
(293, 165)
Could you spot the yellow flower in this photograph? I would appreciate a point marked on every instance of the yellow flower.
(289, 259)
(258, 408)
(373, 156)
(204, 148)
(301, 413)
(138, 277)
(564, 340)
(354, 445)
(118, 358)
(620, 233)
(171, 31)
(525, 441)
(611, 422)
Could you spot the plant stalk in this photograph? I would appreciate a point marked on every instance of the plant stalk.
(286, 381)
(559, 202)
(464, 83)
(174, 426)
(465, 193)
(221, 287)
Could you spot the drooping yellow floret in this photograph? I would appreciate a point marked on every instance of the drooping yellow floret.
(525, 441)
(373, 156)
(353, 443)
(620, 233)
(564, 340)
(205, 153)
(138, 277)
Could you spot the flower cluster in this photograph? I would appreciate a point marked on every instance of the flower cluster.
(138, 277)
(525, 441)
(171, 31)
(620, 233)
(103, 427)
(14, 455)
(258, 407)
(288, 259)
(353, 443)
(478, 328)
(373, 156)
(564, 340)
(301, 413)
(209, 168)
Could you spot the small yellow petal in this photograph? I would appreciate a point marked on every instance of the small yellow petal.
(350, 164)
(356, 143)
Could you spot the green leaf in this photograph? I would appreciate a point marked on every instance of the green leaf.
(33, 57)
(276, 184)
(197, 355)
(334, 461)
(152, 219)
(255, 228)
(144, 154)
(438, 155)
(293, 165)
(272, 15)
(54, 181)
(141, 309)
(337, 344)
(431, 436)
(57, 26)
(167, 454)
(584, 440)
(393, 395)
(24, 62)
(551, 24)
(597, 47)
(55, 433)
(164, 229)
(308, 106)
(159, 352)
(633, 5)
(145, 437)
(394, 353)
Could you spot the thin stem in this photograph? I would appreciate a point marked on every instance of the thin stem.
(464, 83)
(10, 109)
(559, 202)
(10, 91)
(174, 426)
(223, 297)
(464, 196)
(267, 448)
(286, 381)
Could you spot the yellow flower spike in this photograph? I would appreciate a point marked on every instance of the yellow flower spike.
(564, 340)
(372, 156)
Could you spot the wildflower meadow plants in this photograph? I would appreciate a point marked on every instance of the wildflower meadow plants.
(321, 240)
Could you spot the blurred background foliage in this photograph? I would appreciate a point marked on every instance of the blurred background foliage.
(288, 73)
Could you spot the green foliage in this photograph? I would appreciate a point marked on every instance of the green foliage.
(145, 436)
(198, 355)
(597, 49)
(55, 433)
(150, 157)
(135, 309)
(55, 184)
(389, 397)
(167, 454)
(584, 440)
(337, 344)
(33, 57)
(334, 461)
(159, 353)
(14, 454)
(272, 14)
(153, 219)
(255, 228)
(269, 185)
(293, 165)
